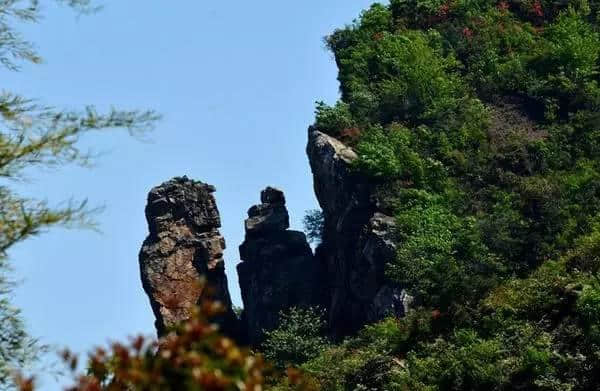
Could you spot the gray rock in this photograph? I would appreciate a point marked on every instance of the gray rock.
(390, 301)
(271, 195)
(267, 218)
(346, 275)
(330, 162)
(278, 269)
(184, 245)
(357, 240)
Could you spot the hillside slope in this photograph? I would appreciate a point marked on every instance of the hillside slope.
(477, 125)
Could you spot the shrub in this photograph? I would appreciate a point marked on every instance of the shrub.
(588, 305)
(441, 257)
(297, 339)
(333, 120)
(194, 356)
(389, 155)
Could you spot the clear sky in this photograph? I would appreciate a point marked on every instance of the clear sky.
(236, 82)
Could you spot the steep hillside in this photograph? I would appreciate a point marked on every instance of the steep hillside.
(476, 124)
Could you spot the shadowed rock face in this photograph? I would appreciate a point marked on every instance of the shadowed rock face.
(278, 269)
(346, 276)
(357, 240)
(184, 244)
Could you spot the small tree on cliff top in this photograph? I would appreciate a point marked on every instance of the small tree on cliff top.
(34, 135)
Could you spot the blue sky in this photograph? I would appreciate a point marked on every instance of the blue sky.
(236, 82)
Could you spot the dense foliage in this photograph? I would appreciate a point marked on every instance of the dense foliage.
(193, 356)
(479, 123)
(299, 338)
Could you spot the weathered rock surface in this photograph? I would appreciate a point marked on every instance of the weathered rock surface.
(357, 240)
(268, 217)
(346, 275)
(183, 245)
(278, 270)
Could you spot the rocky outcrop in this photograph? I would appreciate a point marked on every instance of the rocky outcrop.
(345, 276)
(357, 240)
(278, 269)
(184, 244)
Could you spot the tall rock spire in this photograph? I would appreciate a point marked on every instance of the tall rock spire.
(278, 270)
(183, 246)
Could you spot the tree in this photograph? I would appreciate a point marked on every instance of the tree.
(193, 356)
(34, 135)
(297, 339)
(314, 224)
(17, 348)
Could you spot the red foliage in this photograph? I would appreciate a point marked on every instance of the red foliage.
(25, 383)
(467, 33)
(349, 135)
(536, 8)
(443, 10)
(503, 6)
(194, 356)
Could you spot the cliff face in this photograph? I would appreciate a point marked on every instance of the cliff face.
(183, 245)
(357, 240)
(278, 270)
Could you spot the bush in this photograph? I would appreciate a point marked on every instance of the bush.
(297, 339)
(588, 305)
(340, 368)
(441, 257)
(194, 356)
(333, 120)
(389, 155)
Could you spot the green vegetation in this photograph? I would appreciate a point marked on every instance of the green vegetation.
(298, 338)
(313, 225)
(194, 356)
(479, 122)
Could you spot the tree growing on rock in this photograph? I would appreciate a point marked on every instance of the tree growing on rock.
(314, 222)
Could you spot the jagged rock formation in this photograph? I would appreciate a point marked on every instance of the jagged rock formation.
(183, 245)
(278, 270)
(357, 240)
